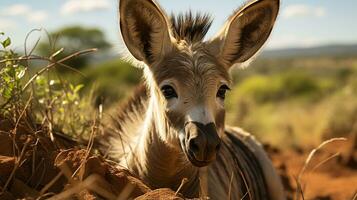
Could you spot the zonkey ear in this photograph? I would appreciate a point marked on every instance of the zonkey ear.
(245, 32)
(144, 29)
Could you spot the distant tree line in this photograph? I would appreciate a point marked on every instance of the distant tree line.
(73, 39)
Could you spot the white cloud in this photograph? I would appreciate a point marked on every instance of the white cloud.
(301, 10)
(288, 41)
(6, 24)
(37, 16)
(75, 6)
(24, 11)
(16, 10)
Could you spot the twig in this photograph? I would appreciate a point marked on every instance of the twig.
(79, 53)
(43, 173)
(89, 147)
(38, 167)
(66, 66)
(37, 41)
(244, 195)
(17, 164)
(312, 153)
(183, 182)
(299, 191)
(54, 64)
(53, 181)
(324, 161)
(246, 184)
(308, 160)
(23, 112)
(355, 196)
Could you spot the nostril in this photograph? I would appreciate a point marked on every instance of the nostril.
(193, 146)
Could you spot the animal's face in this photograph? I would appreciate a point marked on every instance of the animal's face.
(194, 85)
(189, 76)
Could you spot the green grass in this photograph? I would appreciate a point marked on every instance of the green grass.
(113, 80)
(295, 101)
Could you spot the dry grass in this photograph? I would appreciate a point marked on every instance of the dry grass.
(299, 181)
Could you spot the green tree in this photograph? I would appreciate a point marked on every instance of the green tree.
(73, 39)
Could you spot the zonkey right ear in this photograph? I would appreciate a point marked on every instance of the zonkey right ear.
(245, 32)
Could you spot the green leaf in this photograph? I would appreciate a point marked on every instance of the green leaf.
(7, 78)
(78, 88)
(7, 93)
(20, 72)
(6, 42)
(40, 80)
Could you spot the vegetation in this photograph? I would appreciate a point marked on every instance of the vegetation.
(296, 100)
(43, 95)
(11, 72)
(71, 39)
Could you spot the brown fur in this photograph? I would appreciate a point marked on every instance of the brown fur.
(185, 66)
(149, 135)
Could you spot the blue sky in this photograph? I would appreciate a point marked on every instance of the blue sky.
(301, 23)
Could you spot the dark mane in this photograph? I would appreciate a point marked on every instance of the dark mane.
(189, 27)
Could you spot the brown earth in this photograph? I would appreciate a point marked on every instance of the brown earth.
(32, 166)
(326, 177)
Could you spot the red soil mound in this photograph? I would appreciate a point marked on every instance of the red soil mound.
(34, 167)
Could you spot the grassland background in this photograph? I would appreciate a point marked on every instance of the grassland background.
(288, 97)
(289, 101)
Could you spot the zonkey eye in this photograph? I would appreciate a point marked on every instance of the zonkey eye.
(168, 91)
(222, 91)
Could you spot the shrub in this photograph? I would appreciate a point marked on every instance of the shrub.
(49, 102)
(11, 72)
(342, 117)
(112, 80)
(279, 87)
(72, 39)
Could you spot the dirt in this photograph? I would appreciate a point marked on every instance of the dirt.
(325, 178)
(32, 166)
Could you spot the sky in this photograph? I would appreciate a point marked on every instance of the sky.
(301, 23)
